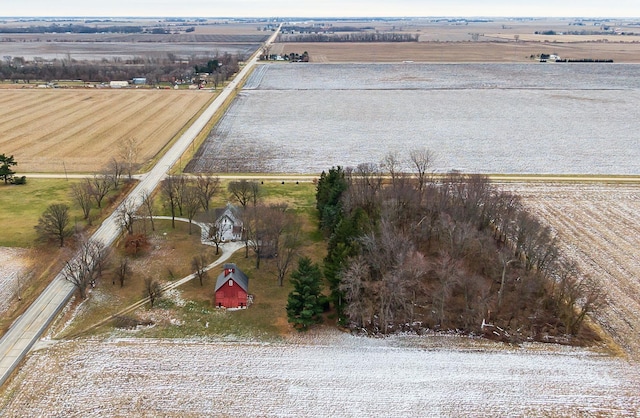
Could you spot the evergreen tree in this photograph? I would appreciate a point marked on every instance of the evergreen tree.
(5, 167)
(329, 191)
(342, 246)
(304, 305)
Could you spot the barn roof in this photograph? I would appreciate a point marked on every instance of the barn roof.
(236, 274)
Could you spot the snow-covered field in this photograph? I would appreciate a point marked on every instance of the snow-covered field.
(326, 374)
(482, 118)
(599, 227)
(12, 267)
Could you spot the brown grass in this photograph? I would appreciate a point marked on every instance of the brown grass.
(80, 130)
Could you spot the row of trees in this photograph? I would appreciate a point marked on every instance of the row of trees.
(350, 37)
(451, 252)
(156, 71)
(90, 193)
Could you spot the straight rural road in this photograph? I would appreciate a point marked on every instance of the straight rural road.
(30, 326)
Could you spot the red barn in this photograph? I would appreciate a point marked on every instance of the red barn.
(232, 288)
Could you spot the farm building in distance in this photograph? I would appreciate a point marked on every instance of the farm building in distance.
(232, 288)
(118, 84)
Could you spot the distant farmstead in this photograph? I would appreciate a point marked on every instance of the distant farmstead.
(118, 84)
(232, 288)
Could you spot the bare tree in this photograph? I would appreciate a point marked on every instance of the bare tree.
(116, 169)
(207, 187)
(126, 215)
(147, 204)
(170, 196)
(152, 289)
(288, 248)
(215, 234)
(190, 202)
(123, 270)
(448, 272)
(81, 193)
(180, 184)
(244, 192)
(199, 264)
(54, 223)
(422, 160)
(82, 270)
(99, 185)
(392, 164)
(365, 184)
(129, 150)
(264, 225)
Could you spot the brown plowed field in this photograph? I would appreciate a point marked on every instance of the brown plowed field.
(81, 130)
(599, 226)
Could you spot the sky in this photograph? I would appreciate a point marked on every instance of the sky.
(322, 8)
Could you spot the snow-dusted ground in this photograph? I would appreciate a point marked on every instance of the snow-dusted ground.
(326, 374)
(480, 118)
(12, 266)
(599, 227)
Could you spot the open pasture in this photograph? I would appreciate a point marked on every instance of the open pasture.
(481, 118)
(82, 130)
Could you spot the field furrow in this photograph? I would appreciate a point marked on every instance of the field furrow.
(80, 130)
(598, 226)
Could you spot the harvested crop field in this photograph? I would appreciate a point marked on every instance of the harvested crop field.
(327, 374)
(81, 130)
(482, 118)
(497, 51)
(599, 227)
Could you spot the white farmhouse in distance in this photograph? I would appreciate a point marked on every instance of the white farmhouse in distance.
(118, 84)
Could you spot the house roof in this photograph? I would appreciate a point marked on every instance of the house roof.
(236, 274)
(229, 211)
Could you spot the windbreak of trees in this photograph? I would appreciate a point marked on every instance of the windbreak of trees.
(72, 28)
(156, 70)
(447, 253)
(350, 37)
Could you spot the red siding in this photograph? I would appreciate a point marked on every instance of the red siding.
(231, 296)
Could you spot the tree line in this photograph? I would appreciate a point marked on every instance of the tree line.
(156, 70)
(350, 37)
(453, 252)
(71, 28)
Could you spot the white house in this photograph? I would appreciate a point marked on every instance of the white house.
(228, 223)
(118, 84)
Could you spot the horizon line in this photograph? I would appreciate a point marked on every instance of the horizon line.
(317, 17)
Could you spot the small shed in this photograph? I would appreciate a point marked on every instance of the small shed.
(232, 288)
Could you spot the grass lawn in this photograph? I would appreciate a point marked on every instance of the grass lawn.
(189, 310)
(22, 205)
